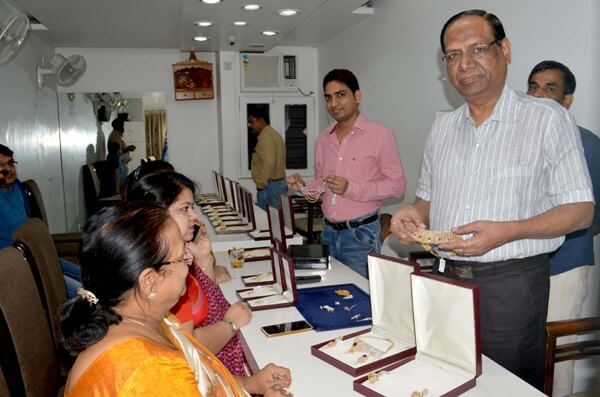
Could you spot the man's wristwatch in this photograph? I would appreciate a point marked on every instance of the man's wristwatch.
(234, 328)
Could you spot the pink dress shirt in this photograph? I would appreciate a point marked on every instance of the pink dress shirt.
(368, 158)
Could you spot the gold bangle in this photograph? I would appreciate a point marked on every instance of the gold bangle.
(232, 326)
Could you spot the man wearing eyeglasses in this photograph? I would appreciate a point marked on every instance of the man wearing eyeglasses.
(14, 210)
(506, 172)
(569, 265)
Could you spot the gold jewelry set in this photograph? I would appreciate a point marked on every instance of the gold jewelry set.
(360, 345)
(427, 238)
(373, 377)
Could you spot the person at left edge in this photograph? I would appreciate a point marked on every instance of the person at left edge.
(14, 211)
(357, 161)
(268, 159)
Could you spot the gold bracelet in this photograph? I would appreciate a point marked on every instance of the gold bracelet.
(232, 326)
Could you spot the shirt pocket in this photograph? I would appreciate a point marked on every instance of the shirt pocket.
(362, 167)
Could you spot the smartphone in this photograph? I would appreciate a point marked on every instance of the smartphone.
(286, 328)
(199, 231)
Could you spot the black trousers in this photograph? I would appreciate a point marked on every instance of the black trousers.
(513, 308)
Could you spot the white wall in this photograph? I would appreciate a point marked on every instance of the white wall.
(192, 125)
(396, 56)
(29, 126)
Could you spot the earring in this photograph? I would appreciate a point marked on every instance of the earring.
(151, 295)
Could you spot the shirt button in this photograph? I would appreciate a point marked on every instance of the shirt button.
(468, 207)
(340, 158)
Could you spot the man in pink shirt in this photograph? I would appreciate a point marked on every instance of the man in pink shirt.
(358, 165)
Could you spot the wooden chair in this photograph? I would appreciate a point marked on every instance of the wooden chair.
(29, 359)
(35, 243)
(67, 244)
(569, 351)
(310, 226)
(92, 188)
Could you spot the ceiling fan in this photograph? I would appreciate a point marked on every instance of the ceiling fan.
(14, 27)
(67, 70)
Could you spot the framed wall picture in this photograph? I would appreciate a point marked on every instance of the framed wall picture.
(193, 79)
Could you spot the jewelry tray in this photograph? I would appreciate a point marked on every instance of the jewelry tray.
(392, 318)
(282, 293)
(448, 347)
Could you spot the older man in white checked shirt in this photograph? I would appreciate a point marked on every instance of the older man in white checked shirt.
(507, 172)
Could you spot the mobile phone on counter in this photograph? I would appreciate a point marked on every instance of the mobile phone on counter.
(286, 328)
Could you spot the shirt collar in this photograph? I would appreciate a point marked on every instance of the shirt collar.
(503, 110)
(359, 124)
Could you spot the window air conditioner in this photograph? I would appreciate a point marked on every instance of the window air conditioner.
(268, 72)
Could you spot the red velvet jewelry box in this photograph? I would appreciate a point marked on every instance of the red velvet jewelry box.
(392, 336)
(282, 293)
(448, 357)
(267, 278)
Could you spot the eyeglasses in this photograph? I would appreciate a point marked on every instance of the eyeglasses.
(9, 163)
(476, 51)
(186, 258)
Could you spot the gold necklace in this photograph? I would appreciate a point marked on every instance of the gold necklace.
(141, 324)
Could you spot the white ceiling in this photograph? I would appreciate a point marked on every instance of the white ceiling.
(169, 23)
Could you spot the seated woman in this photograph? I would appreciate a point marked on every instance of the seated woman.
(215, 325)
(134, 265)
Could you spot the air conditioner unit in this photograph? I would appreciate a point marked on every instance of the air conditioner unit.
(268, 72)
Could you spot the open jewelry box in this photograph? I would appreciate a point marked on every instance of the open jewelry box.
(448, 357)
(281, 293)
(265, 278)
(392, 336)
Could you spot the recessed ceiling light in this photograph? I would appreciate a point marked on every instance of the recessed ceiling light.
(240, 23)
(269, 32)
(251, 7)
(201, 38)
(211, 1)
(203, 23)
(288, 12)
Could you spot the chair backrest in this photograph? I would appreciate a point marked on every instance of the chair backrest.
(571, 351)
(32, 191)
(91, 187)
(34, 241)
(29, 358)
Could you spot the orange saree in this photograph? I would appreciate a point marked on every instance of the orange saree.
(139, 367)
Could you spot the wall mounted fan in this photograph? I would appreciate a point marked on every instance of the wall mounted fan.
(67, 70)
(13, 32)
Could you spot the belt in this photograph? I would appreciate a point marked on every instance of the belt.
(275, 180)
(464, 269)
(351, 224)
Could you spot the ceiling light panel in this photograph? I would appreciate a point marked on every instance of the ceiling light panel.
(269, 32)
(251, 7)
(203, 24)
(211, 1)
(240, 23)
(201, 38)
(288, 12)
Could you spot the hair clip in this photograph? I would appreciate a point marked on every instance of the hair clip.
(87, 295)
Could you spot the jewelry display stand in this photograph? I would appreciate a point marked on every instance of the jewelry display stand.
(281, 293)
(392, 336)
(448, 347)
